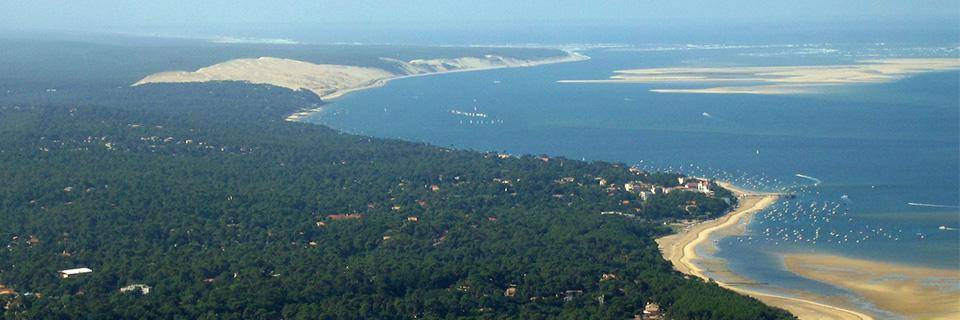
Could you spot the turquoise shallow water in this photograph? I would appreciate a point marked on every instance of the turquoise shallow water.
(874, 148)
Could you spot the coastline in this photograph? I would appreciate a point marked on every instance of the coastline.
(571, 56)
(681, 250)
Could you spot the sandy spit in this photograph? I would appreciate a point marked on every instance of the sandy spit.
(681, 249)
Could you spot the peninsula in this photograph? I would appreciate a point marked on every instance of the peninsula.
(331, 81)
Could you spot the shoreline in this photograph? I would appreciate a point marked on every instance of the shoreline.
(680, 249)
(572, 56)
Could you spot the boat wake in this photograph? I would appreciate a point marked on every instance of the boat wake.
(932, 205)
(815, 180)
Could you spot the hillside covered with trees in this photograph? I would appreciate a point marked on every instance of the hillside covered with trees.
(205, 195)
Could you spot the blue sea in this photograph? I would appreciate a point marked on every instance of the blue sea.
(876, 167)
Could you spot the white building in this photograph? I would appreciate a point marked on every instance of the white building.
(704, 186)
(74, 272)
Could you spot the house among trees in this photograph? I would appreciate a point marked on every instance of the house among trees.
(33, 240)
(569, 295)
(644, 195)
(695, 184)
(4, 291)
(601, 181)
(350, 216)
(142, 288)
(565, 180)
(636, 186)
(64, 274)
(651, 311)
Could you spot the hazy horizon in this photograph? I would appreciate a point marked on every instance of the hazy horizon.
(426, 21)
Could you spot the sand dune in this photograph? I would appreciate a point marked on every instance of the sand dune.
(779, 80)
(330, 81)
(322, 79)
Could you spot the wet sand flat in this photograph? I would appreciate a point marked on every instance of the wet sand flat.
(915, 292)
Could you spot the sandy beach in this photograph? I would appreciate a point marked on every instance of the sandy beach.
(681, 249)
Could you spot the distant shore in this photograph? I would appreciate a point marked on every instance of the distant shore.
(571, 56)
(332, 81)
(681, 250)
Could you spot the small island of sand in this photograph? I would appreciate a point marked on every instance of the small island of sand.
(779, 79)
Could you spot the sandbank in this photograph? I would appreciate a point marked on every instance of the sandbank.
(779, 79)
(915, 292)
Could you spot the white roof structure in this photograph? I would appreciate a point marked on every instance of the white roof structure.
(76, 271)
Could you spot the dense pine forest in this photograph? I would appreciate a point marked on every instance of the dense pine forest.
(204, 194)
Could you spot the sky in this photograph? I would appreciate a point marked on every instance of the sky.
(337, 20)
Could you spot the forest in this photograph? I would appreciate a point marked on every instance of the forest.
(204, 194)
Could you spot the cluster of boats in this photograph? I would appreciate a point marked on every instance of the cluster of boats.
(816, 222)
(474, 117)
(809, 219)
